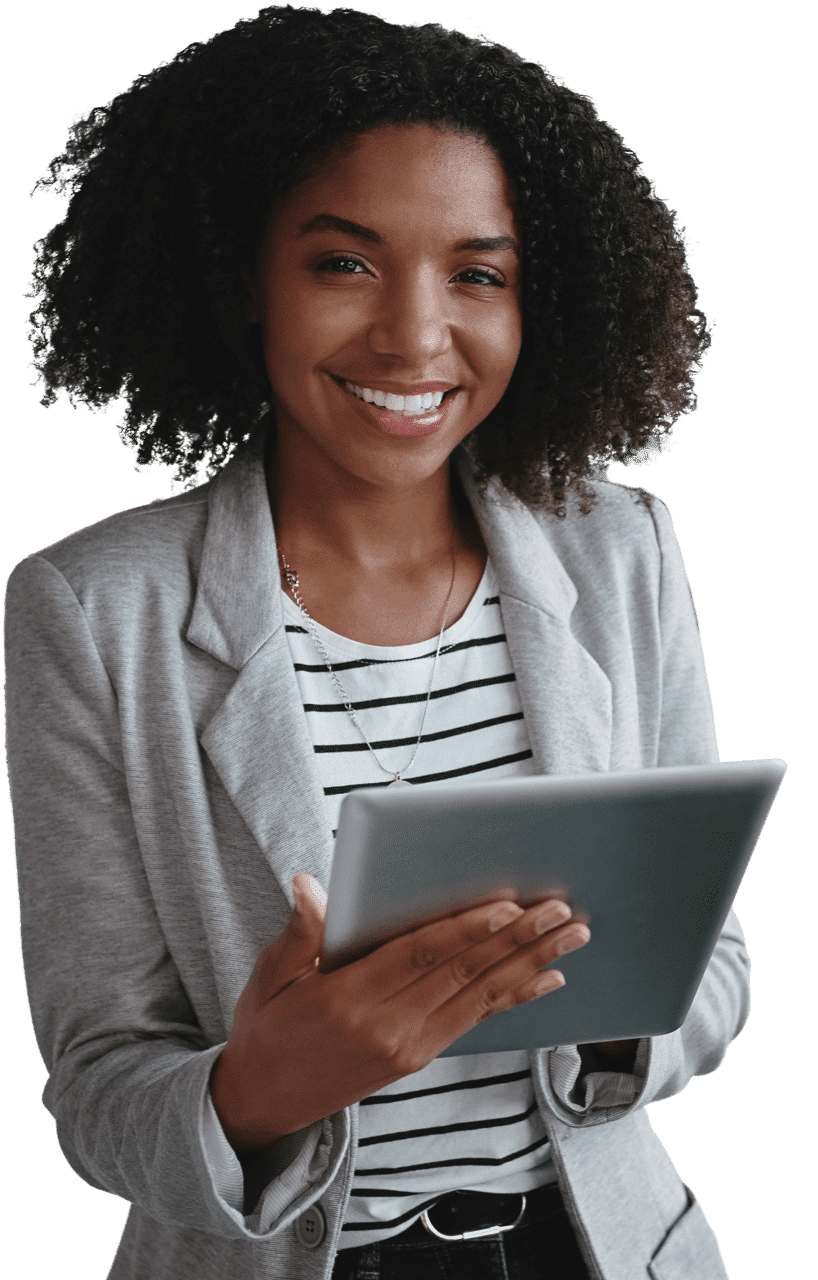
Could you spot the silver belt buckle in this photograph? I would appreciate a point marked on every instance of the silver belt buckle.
(474, 1235)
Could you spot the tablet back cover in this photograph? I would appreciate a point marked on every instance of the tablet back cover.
(651, 860)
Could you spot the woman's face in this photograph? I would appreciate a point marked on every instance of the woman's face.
(395, 270)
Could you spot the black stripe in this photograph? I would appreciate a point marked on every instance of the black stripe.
(427, 737)
(436, 777)
(318, 667)
(465, 1126)
(412, 697)
(304, 631)
(480, 1083)
(465, 1161)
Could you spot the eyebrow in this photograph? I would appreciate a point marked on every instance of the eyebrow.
(329, 222)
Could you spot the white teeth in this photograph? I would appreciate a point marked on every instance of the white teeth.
(397, 404)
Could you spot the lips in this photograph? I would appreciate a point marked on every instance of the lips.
(394, 397)
(411, 405)
(425, 415)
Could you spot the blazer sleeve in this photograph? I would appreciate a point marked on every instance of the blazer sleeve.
(128, 1063)
(665, 1064)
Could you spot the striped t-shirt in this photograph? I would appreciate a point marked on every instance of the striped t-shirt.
(469, 1122)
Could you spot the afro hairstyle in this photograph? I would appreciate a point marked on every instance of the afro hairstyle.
(141, 289)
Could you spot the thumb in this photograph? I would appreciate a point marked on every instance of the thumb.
(294, 954)
(304, 934)
(310, 898)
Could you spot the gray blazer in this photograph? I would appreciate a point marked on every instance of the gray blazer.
(165, 792)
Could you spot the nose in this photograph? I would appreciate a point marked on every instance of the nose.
(412, 320)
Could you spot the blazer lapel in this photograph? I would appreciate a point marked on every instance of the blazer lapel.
(565, 694)
(258, 740)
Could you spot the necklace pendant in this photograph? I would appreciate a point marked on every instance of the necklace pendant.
(399, 782)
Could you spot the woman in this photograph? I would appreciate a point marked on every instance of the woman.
(427, 293)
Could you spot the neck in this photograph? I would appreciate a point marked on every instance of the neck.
(320, 514)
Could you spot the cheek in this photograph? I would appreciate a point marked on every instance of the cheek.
(301, 332)
(288, 338)
(501, 346)
(515, 338)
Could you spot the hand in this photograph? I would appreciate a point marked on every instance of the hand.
(616, 1048)
(610, 1055)
(306, 1044)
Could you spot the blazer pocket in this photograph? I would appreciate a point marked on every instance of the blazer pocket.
(689, 1250)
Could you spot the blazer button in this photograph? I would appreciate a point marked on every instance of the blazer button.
(311, 1227)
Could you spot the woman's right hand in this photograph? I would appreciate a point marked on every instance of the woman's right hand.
(306, 1044)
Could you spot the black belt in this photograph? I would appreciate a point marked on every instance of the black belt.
(469, 1215)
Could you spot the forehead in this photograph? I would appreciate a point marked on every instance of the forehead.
(402, 172)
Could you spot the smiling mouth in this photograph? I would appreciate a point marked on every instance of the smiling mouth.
(399, 406)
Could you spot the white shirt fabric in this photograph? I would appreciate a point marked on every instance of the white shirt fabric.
(467, 1122)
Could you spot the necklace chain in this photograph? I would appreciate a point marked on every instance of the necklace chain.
(292, 581)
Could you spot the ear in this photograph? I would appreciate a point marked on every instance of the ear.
(251, 309)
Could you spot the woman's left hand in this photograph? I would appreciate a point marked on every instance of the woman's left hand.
(622, 1053)
(617, 1048)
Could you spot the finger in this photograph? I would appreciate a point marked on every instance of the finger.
(404, 961)
(295, 952)
(535, 939)
(490, 976)
(309, 895)
(395, 964)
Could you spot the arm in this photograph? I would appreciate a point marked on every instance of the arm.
(128, 1063)
(601, 1082)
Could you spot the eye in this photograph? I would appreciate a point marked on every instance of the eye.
(482, 276)
(341, 264)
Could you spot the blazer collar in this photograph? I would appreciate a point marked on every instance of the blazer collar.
(527, 567)
(237, 606)
(258, 740)
(566, 696)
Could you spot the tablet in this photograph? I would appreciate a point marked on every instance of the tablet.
(650, 859)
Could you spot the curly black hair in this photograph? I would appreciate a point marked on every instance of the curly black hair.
(171, 185)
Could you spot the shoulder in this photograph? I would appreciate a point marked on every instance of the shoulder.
(625, 526)
(626, 510)
(158, 545)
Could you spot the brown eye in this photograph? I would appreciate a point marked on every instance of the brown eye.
(341, 264)
(483, 277)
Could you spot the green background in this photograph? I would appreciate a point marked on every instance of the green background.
(713, 99)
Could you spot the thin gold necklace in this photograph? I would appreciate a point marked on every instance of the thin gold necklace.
(291, 579)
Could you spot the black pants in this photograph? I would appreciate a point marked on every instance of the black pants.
(546, 1246)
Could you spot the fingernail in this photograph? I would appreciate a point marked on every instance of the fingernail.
(573, 941)
(503, 916)
(555, 979)
(552, 916)
(317, 890)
